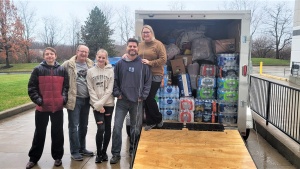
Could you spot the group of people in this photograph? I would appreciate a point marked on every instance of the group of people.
(79, 84)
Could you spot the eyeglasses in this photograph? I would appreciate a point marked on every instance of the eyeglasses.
(146, 32)
(82, 51)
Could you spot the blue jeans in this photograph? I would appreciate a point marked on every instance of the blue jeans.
(78, 122)
(135, 111)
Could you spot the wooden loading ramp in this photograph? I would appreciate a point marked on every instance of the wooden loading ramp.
(171, 149)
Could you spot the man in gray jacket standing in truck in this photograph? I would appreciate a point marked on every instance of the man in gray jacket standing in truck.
(131, 86)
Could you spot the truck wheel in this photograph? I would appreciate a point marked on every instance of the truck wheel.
(128, 130)
(247, 134)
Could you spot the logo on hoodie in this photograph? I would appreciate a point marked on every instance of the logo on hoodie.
(131, 69)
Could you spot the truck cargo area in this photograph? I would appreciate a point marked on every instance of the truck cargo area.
(208, 56)
(205, 49)
(160, 148)
(168, 30)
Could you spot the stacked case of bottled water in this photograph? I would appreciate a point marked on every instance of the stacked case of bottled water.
(186, 109)
(205, 101)
(227, 88)
(168, 100)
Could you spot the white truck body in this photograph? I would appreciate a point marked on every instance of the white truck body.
(219, 25)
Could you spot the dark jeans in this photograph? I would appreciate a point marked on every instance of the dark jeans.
(153, 116)
(103, 130)
(57, 135)
(78, 124)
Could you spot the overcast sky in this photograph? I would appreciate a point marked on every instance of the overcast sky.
(81, 8)
(64, 9)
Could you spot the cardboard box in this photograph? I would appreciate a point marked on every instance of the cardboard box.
(177, 66)
(187, 59)
(224, 46)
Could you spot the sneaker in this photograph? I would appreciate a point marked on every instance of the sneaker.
(57, 162)
(160, 124)
(115, 159)
(149, 127)
(98, 159)
(77, 157)
(104, 157)
(86, 152)
(30, 164)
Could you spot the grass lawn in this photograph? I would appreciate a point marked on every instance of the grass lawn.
(24, 67)
(13, 90)
(270, 62)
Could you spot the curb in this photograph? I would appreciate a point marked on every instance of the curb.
(275, 77)
(16, 110)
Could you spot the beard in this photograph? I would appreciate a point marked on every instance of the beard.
(132, 52)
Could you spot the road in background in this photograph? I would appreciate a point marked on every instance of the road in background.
(281, 71)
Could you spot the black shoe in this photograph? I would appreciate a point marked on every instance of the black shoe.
(104, 157)
(160, 124)
(86, 152)
(30, 165)
(98, 159)
(77, 157)
(115, 159)
(57, 162)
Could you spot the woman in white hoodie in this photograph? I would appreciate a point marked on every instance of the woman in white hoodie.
(100, 81)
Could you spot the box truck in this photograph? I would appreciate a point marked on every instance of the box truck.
(229, 32)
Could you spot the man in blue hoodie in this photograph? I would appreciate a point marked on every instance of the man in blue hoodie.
(131, 86)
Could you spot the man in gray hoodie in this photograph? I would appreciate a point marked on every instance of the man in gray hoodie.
(131, 86)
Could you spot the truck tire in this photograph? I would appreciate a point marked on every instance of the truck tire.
(247, 134)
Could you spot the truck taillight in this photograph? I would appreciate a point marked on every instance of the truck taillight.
(244, 70)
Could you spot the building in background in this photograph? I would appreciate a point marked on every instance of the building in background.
(295, 54)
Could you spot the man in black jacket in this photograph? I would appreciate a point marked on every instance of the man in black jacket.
(48, 88)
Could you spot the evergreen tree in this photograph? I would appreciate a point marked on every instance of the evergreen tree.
(96, 33)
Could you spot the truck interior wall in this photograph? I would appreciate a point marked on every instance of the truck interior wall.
(234, 31)
(214, 29)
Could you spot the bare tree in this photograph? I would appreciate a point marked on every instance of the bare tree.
(285, 53)
(176, 5)
(262, 46)
(74, 31)
(108, 11)
(27, 15)
(256, 8)
(126, 24)
(279, 26)
(52, 34)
